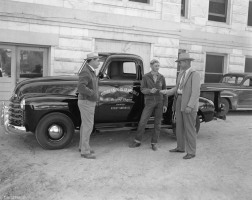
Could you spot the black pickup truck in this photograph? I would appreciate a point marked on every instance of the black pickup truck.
(47, 106)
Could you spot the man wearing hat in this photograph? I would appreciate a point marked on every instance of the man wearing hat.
(88, 95)
(186, 99)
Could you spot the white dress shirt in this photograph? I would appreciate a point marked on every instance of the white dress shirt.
(180, 91)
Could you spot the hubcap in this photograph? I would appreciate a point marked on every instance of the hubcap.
(55, 131)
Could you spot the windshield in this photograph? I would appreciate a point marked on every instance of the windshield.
(102, 60)
(234, 80)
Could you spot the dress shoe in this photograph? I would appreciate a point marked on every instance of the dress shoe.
(188, 156)
(154, 147)
(91, 151)
(134, 144)
(176, 150)
(88, 156)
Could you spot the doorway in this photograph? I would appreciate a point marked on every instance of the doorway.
(18, 63)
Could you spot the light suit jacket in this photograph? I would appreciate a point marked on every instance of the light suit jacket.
(191, 90)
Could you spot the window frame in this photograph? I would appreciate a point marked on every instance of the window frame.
(121, 73)
(226, 15)
(224, 64)
(247, 57)
(186, 9)
(249, 4)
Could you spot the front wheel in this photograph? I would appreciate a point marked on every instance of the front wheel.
(54, 131)
(197, 125)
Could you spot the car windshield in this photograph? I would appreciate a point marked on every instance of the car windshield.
(233, 80)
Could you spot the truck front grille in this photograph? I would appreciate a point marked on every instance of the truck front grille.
(16, 114)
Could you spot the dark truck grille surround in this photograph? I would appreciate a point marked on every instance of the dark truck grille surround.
(15, 113)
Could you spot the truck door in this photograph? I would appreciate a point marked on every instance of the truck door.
(119, 90)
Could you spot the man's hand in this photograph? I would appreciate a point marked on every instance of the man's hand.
(164, 109)
(153, 90)
(162, 91)
(188, 110)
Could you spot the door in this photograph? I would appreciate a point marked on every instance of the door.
(245, 95)
(31, 62)
(7, 71)
(119, 92)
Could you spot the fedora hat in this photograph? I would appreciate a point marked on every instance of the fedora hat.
(92, 55)
(184, 56)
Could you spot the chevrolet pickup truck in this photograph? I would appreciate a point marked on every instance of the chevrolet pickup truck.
(47, 106)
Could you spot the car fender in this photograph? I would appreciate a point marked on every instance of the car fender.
(43, 104)
(231, 96)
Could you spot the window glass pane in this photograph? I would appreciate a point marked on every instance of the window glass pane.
(212, 78)
(5, 62)
(214, 63)
(229, 79)
(247, 82)
(214, 68)
(140, 1)
(250, 14)
(248, 65)
(183, 8)
(129, 68)
(239, 80)
(31, 64)
(217, 10)
(217, 7)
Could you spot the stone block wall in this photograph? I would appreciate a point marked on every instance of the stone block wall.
(78, 23)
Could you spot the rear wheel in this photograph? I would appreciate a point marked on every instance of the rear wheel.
(226, 104)
(54, 131)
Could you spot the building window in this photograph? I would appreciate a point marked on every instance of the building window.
(5, 62)
(214, 68)
(182, 8)
(141, 1)
(218, 10)
(250, 14)
(248, 65)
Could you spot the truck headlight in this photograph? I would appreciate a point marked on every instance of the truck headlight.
(22, 103)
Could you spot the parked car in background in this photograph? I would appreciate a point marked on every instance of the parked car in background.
(236, 91)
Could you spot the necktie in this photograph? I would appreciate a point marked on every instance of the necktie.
(182, 81)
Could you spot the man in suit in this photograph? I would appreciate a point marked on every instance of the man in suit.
(155, 102)
(88, 95)
(186, 99)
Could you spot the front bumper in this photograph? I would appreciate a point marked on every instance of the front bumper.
(8, 128)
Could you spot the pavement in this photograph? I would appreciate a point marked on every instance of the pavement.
(222, 168)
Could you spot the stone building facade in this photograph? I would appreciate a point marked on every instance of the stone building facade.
(54, 36)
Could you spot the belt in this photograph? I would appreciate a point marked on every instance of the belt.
(179, 94)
